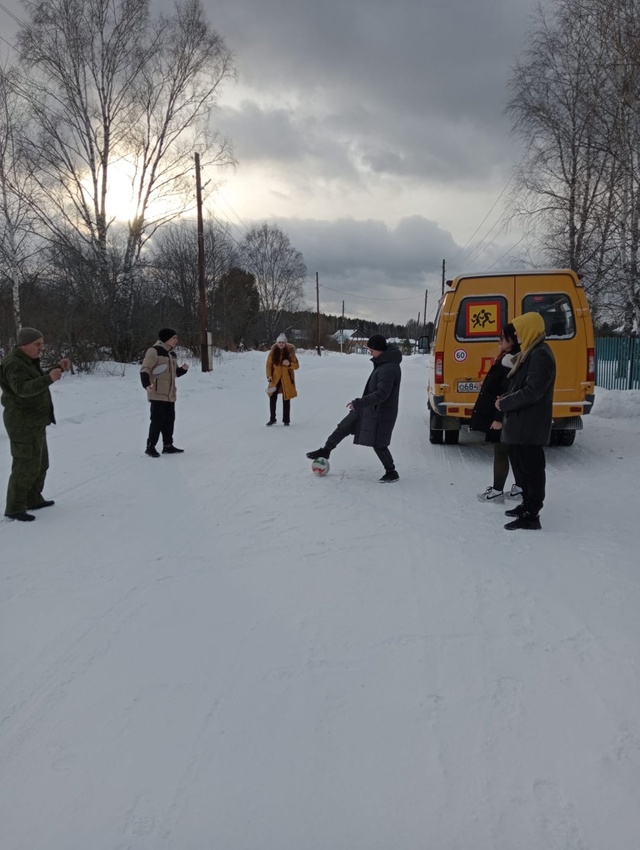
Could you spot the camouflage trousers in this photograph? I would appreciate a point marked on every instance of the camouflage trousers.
(28, 470)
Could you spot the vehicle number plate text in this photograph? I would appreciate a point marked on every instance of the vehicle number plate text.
(469, 386)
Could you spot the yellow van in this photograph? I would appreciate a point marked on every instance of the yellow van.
(471, 314)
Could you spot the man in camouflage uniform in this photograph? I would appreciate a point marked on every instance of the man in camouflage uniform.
(28, 409)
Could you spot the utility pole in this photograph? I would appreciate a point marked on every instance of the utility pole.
(442, 290)
(424, 326)
(342, 329)
(202, 308)
(318, 314)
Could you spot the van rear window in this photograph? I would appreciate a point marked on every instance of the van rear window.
(556, 310)
(481, 317)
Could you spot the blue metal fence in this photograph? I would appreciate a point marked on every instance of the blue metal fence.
(618, 363)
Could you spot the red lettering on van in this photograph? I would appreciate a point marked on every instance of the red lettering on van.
(483, 366)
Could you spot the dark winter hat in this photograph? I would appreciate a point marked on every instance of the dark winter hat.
(377, 342)
(28, 335)
(166, 333)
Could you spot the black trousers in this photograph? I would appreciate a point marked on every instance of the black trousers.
(528, 464)
(346, 428)
(163, 417)
(286, 407)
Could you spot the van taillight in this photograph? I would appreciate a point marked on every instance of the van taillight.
(439, 366)
(591, 364)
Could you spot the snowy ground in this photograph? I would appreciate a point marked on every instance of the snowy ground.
(220, 651)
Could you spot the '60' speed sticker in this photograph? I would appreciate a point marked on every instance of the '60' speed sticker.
(459, 355)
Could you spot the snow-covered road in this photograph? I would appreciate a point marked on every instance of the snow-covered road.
(220, 651)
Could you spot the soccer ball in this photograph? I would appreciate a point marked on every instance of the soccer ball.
(320, 466)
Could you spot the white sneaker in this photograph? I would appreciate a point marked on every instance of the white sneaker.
(515, 492)
(491, 495)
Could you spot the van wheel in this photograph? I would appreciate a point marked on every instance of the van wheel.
(435, 434)
(566, 438)
(451, 437)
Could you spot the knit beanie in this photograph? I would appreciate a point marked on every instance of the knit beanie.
(377, 342)
(166, 333)
(28, 335)
(281, 338)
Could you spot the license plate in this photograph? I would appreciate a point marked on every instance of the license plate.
(469, 386)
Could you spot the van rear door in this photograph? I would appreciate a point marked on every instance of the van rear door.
(554, 297)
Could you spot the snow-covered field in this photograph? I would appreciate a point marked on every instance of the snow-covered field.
(220, 651)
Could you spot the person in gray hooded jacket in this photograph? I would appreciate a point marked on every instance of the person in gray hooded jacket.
(371, 418)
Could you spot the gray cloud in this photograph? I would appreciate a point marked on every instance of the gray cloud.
(379, 270)
(414, 89)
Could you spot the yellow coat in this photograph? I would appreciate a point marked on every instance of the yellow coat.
(283, 374)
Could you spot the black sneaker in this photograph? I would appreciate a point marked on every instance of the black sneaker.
(45, 503)
(152, 451)
(530, 522)
(172, 450)
(318, 453)
(271, 422)
(519, 510)
(21, 516)
(389, 477)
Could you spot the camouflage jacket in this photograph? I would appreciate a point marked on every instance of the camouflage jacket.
(25, 393)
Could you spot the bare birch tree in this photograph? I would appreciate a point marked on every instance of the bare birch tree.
(565, 181)
(576, 103)
(279, 271)
(111, 89)
(16, 232)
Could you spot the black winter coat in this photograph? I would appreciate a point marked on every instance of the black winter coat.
(378, 408)
(495, 383)
(528, 405)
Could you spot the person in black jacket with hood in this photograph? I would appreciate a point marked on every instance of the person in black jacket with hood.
(372, 417)
(528, 416)
(487, 418)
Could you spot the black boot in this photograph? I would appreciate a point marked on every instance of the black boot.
(21, 516)
(152, 451)
(529, 522)
(323, 452)
(45, 503)
(519, 510)
(389, 477)
(172, 450)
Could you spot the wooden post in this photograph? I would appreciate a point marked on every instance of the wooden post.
(202, 308)
(318, 315)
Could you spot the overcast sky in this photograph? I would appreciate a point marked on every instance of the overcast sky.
(373, 132)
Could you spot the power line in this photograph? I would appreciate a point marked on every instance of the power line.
(11, 15)
(522, 238)
(462, 250)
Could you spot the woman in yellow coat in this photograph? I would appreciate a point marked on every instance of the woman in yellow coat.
(281, 364)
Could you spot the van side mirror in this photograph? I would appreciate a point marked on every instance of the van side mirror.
(424, 345)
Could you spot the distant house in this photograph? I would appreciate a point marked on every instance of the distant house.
(342, 336)
(351, 340)
(297, 335)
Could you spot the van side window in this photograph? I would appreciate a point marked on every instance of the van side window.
(481, 318)
(556, 310)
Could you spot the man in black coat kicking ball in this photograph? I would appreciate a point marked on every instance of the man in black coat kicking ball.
(371, 418)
